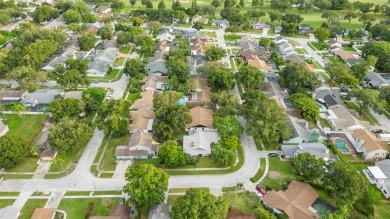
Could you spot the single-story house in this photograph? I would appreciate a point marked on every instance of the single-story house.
(334, 44)
(9, 212)
(301, 131)
(11, 95)
(260, 64)
(200, 19)
(103, 9)
(285, 48)
(258, 25)
(343, 55)
(373, 148)
(278, 29)
(317, 149)
(116, 212)
(196, 61)
(305, 28)
(102, 62)
(199, 49)
(377, 79)
(192, 34)
(327, 97)
(44, 213)
(166, 37)
(54, 24)
(199, 82)
(105, 15)
(146, 100)
(295, 58)
(295, 202)
(160, 211)
(198, 142)
(220, 23)
(380, 175)
(385, 137)
(157, 67)
(202, 118)
(141, 121)
(156, 82)
(200, 98)
(3, 128)
(141, 145)
(41, 96)
(273, 90)
(340, 119)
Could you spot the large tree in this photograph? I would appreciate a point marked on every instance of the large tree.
(308, 166)
(222, 156)
(264, 114)
(340, 73)
(366, 98)
(250, 76)
(199, 203)
(87, 41)
(72, 16)
(380, 49)
(227, 126)
(322, 34)
(228, 103)
(93, 97)
(384, 94)
(135, 68)
(67, 107)
(172, 155)
(146, 186)
(297, 78)
(220, 80)
(308, 107)
(13, 150)
(106, 32)
(69, 135)
(215, 53)
(27, 77)
(73, 74)
(113, 116)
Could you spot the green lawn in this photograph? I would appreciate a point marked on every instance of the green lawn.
(286, 174)
(366, 114)
(318, 45)
(108, 192)
(332, 59)
(6, 202)
(16, 176)
(177, 190)
(382, 211)
(125, 49)
(77, 193)
(260, 171)
(153, 161)
(323, 122)
(28, 165)
(119, 61)
(108, 162)
(25, 126)
(76, 208)
(348, 48)
(231, 37)
(133, 97)
(301, 51)
(106, 175)
(244, 202)
(172, 199)
(9, 193)
(30, 206)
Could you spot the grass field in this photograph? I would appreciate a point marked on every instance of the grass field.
(28, 165)
(172, 199)
(76, 208)
(244, 202)
(30, 206)
(6, 202)
(301, 51)
(286, 174)
(133, 97)
(25, 126)
(260, 171)
(108, 162)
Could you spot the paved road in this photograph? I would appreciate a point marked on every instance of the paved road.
(382, 119)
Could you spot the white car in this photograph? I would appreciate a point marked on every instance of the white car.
(257, 193)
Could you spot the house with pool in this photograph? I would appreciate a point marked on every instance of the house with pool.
(372, 147)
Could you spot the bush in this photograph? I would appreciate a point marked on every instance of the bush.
(90, 209)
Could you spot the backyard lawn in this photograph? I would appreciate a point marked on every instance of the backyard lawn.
(244, 202)
(125, 49)
(30, 206)
(77, 208)
(25, 126)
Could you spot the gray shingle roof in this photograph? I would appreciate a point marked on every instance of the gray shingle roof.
(317, 149)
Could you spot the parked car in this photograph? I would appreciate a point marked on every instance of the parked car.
(261, 190)
(273, 155)
(377, 131)
(96, 82)
(257, 193)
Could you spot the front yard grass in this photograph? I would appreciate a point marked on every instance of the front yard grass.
(318, 45)
(366, 114)
(125, 49)
(382, 211)
(231, 37)
(332, 59)
(30, 124)
(279, 175)
(108, 162)
(9, 193)
(260, 171)
(133, 97)
(16, 176)
(77, 207)
(119, 61)
(28, 165)
(172, 199)
(77, 193)
(6, 202)
(244, 202)
(301, 51)
(348, 48)
(30, 206)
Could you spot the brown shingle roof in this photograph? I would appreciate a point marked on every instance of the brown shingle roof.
(153, 80)
(146, 99)
(43, 213)
(272, 89)
(200, 82)
(295, 201)
(371, 142)
(201, 117)
(140, 118)
(260, 64)
(343, 55)
(248, 54)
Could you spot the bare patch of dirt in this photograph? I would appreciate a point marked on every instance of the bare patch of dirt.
(274, 175)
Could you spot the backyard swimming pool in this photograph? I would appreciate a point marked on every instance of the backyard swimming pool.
(340, 144)
(288, 104)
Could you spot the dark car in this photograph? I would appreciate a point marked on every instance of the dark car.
(261, 190)
(377, 131)
(273, 155)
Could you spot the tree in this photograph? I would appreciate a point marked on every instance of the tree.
(228, 103)
(216, 3)
(322, 4)
(149, 4)
(113, 116)
(206, 10)
(147, 44)
(135, 68)
(93, 97)
(172, 155)
(13, 150)
(132, 2)
(220, 80)
(366, 19)
(308, 166)
(72, 16)
(73, 74)
(349, 187)
(146, 186)
(44, 13)
(281, 4)
(264, 114)
(275, 16)
(279, 61)
(4, 19)
(359, 71)
(178, 71)
(380, 49)
(322, 34)
(366, 98)
(154, 26)
(261, 213)
(308, 107)
(255, 14)
(371, 60)
(215, 53)
(384, 94)
(117, 4)
(199, 203)
(27, 77)
(87, 41)
(227, 126)
(18, 108)
(365, 7)
(58, 162)
(242, 3)
(250, 77)
(68, 135)
(227, 13)
(176, 5)
(332, 17)
(198, 25)
(194, 4)
(297, 78)
(229, 3)
(106, 32)
(161, 5)
(350, 16)
(266, 42)
(124, 38)
(222, 156)
(61, 108)
(305, 6)
(339, 73)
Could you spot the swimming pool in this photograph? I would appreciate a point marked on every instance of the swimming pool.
(288, 105)
(340, 144)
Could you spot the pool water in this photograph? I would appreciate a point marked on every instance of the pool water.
(289, 105)
(340, 144)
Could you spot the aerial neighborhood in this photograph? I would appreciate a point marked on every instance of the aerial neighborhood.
(186, 109)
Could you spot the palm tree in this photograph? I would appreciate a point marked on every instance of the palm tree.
(58, 162)
(19, 108)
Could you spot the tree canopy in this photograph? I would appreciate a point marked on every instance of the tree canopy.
(135, 68)
(13, 150)
(308, 167)
(227, 126)
(298, 79)
(87, 41)
(250, 76)
(366, 98)
(65, 107)
(215, 53)
(308, 107)
(172, 155)
(113, 116)
(93, 97)
(380, 49)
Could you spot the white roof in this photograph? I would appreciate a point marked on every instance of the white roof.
(150, 125)
(377, 172)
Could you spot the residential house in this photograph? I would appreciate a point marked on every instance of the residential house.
(156, 82)
(11, 95)
(103, 9)
(200, 98)
(196, 61)
(198, 142)
(146, 100)
(334, 44)
(95, 27)
(116, 212)
(380, 175)
(373, 148)
(161, 49)
(141, 145)
(54, 24)
(9, 212)
(273, 91)
(247, 42)
(193, 34)
(3, 128)
(202, 118)
(252, 60)
(378, 80)
(102, 62)
(285, 48)
(199, 82)
(301, 131)
(70, 52)
(220, 23)
(41, 97)
(44, 213)
(340, 119)
(296, 202)
(157, 67)
(354, 61)
(271, 77)
(141, 121)
(278, 29)
(385, 137)
(160, 211)
(105, 15)
(317, 149)
(343, 55)
(166, 36)
(305, 29)
(258, 25)
(295, 58)
(200, 19)
(327, 97)
(198, 45)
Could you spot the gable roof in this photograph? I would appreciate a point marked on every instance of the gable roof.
(295, 58)
(154, 81)
(272, 89)
(141, 138)
(317, 149)
(201, 117)
(157, 66)
(146, 99)
(343, 54)
(295, 201)
(377, 80)
(43, 213)
(141, 119)
(10, 94)
(260, 64)
(371, 142)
